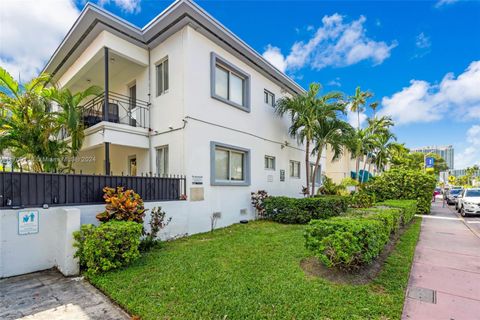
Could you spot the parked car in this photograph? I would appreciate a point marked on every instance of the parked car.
(469, 202)
(452, 196)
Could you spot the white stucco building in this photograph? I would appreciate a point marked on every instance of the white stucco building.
(186, 96)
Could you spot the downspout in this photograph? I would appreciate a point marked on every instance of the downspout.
(150, 161)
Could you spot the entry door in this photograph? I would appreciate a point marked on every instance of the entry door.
(132, 166)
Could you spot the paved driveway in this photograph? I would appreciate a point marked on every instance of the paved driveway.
(445, 276)
(48, 295)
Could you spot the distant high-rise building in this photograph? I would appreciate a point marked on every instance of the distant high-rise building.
(446, 152)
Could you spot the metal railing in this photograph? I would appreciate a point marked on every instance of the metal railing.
(27, 189)
(121, 109)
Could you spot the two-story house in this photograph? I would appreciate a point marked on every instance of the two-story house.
(185, 96)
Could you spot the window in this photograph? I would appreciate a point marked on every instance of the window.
(229, 165)
(229, 84)
(270, 162)
(162, 160)
(162, 77)
(318, 176)
(269, 98)
(294, 169)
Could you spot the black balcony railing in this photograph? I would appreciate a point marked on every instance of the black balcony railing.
(121, 109)
(28, 189)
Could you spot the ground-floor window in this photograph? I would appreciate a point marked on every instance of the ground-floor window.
(294, 169)
(229, 165)
(162, 160)
(318, 175)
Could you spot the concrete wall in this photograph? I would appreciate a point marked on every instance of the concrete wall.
(50, 247)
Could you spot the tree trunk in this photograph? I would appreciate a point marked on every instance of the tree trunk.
(307, 164)
(314, 174)
(357, 168)
(358, 119)
(364, 166)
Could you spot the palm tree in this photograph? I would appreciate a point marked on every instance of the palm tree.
(303, 113)
(358, 101)
(333, 133)
(380, 139)
(374, 106)
(27, 127)
(70, 116)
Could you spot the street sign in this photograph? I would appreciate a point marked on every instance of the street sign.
(429, 162)
(27, 222)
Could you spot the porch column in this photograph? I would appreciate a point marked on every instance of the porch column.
(105, 110)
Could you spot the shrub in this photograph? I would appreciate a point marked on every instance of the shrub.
(353, 240)
(109, 246)
(293, 210)
(408, 207)
(257, 201)
(362, 199)
(122, 205)
(157, 222)
(329, 187)
(406, 185)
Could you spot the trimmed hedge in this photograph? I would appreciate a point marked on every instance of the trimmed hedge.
(408, 207)
(302, 210)
(355, 239)
(109, 246)
(406, 185)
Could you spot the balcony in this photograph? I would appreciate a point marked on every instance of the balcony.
(121, 109)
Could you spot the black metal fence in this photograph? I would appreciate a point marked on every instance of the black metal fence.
(25, 189)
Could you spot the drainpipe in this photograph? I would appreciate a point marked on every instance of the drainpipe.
(150, 161)
(105, 110)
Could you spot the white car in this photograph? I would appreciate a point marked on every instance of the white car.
(469, 202)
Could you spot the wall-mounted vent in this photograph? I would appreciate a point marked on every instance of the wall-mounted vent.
(243, 211)
(217, 215)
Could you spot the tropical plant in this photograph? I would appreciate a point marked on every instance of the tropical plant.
(122, 205)
(70, 115)
(27, 127)
(358, 101)
(157, 222)
(258, 199)
(303, 113)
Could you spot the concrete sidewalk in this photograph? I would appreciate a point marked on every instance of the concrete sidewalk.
(445, 277)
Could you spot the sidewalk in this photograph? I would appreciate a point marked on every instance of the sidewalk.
(445, 277)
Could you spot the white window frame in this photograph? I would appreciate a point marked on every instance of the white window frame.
(215, 61)
(163, 90)
(267, 157)
(165, 159)
(269, 98)
(246, 165)
(318, 178)
(292, 173)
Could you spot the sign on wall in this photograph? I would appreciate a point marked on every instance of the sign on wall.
(197, 180)
(27, 222)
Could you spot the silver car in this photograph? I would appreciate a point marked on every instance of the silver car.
(469, 202)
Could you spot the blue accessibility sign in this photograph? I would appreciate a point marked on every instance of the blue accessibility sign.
(429, 162)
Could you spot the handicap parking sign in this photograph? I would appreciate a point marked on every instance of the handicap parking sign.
(27, 222)
(429, 162)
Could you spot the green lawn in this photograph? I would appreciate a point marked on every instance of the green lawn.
(252, 272)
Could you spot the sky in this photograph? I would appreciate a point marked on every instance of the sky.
(421, 59)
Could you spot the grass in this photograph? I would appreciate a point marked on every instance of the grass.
(252, 272)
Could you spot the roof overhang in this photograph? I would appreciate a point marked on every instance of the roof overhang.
(93, 20)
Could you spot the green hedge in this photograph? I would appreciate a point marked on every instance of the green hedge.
(301, 211)
(408, 207)
(353, 240)
(109, 246)
(405, 185)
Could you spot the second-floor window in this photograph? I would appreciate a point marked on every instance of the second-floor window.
(162, 77)
(294, 169)
(229, 84)
(269, 98)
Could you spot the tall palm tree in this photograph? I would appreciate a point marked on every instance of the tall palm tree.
(380, 139)
(70, 115)
(331, 133)
(27, 128)
(303, 114)
(358, 101)
(374, 106)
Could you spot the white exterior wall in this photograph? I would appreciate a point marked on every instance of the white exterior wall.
(51, 247)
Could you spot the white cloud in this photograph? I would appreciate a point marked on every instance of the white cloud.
(422, 41)
(471, 154)
(352, 119)
(30, 33)
(130, 6)
(275, 57)
(426, 102)
(441, 3)
(336, 43)
(335, 82)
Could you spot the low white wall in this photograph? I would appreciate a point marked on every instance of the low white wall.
(50, 247)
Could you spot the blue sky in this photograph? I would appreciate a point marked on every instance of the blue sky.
(420, 58)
